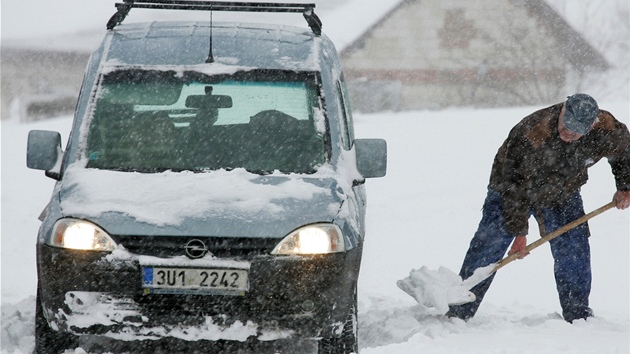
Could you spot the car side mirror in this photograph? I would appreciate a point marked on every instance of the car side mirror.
(371, 157)
(44, 152)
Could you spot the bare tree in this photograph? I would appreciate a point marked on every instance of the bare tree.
(606, 25)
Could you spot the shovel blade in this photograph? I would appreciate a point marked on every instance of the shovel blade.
(436, 290)
(466, 298)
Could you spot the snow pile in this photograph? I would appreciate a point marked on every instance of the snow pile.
(388, 326)
(436, 290)
(18, 326)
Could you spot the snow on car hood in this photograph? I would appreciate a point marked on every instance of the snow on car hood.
(218, 203)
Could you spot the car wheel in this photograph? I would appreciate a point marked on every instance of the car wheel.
(346, 343)
(48, 341)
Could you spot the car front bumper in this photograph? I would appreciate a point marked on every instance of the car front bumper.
(99, 293)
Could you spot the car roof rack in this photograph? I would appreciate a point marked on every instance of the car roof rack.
(306, 9)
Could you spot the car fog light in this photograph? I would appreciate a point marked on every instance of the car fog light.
(80, 235)
(308, 305)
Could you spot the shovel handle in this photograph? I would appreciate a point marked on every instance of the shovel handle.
(555, 234)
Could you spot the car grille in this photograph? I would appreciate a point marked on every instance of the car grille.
(171, 246)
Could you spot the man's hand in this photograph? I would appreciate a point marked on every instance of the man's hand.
(623, 199)
(518, 246)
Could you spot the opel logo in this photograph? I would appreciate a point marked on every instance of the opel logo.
(196, 249)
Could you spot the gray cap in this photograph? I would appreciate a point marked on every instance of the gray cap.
(580, 112)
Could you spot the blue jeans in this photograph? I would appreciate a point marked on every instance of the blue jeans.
(571, 254)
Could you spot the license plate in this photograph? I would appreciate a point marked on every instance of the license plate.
(169, 280)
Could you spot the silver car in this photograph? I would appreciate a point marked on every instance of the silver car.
(211, 194)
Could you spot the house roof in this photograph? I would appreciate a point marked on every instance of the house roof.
(572, 44)
(364, 16)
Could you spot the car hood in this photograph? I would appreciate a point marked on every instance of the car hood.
(219, 203)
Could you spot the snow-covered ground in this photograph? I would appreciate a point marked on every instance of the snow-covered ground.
(423, 213)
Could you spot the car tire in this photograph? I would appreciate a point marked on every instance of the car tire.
(347, 342)
(48, 341)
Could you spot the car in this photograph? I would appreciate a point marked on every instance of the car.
(211, 192)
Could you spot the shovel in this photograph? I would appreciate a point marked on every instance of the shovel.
(443, 288)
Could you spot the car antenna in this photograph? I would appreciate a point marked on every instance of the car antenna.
(210, 58)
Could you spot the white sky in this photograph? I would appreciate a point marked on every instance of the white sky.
(28, 19)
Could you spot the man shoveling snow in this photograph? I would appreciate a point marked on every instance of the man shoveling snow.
(538, 171)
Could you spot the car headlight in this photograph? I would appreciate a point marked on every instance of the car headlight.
(80, 235)
(312, 239)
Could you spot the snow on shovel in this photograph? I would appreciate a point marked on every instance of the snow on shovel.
(436, 290)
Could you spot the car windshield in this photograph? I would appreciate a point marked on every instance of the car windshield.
(260, 120)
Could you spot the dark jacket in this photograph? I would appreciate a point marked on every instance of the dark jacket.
(535, 168)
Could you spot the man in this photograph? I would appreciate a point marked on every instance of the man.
(538, 171)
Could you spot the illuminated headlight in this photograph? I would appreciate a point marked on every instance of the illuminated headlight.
(80, 235)
(312, 239)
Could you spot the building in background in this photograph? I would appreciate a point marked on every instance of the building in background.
(38, 84)
(431, 54)
(416, 54)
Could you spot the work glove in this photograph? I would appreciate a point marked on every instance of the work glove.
(518, 246)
